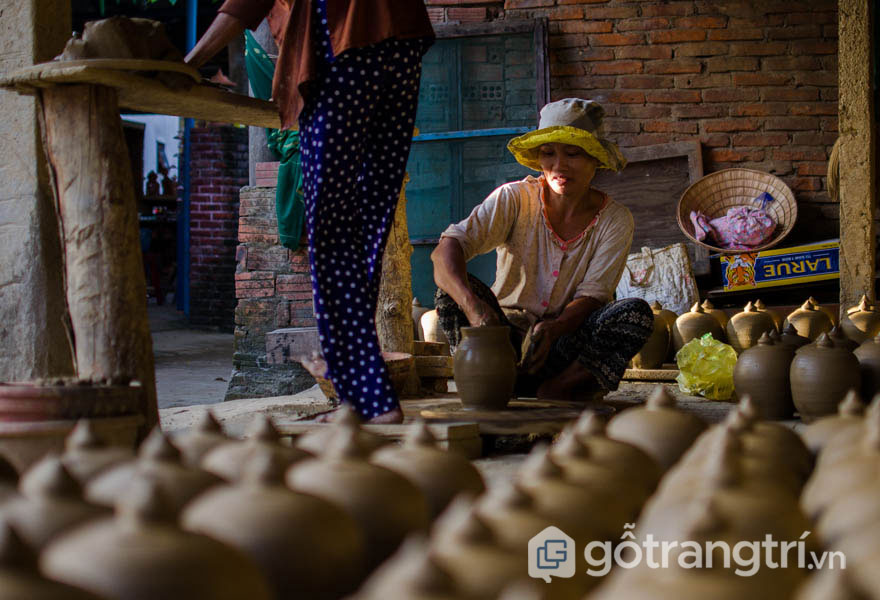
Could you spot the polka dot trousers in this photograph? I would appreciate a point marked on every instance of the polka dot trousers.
(355, 134)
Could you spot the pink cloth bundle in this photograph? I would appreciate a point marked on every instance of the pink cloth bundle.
(742, 228)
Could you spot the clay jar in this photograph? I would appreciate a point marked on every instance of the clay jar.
(8, 481)
(762, 372)
(439, 474)
(832, 314)
(790, 337)
(484, 367)
(85, 455)
(838, 338)
(429, 325)
(51, 503)
(821, 375)
(417, 311)
(861, 322)
(850, 415)
(386, 506)
(809, 321)
(745, 328)
(695, 324)
(719, 314)
(778, 319)
(669, 318)
(20, 576)
(140, 554)
(658, 428)
(868, 355)
(306, 547)
(655, 350)
(197, 441)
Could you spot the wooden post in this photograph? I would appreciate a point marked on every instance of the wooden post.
(856, 113)
(97, 214)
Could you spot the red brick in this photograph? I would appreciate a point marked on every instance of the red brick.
(807, 138)
(748, 79)
(790, 63)
(611, 12)
(644, 82)
(643, 52)
(642, 24)
(668, 9)
(763, 140)
(585, 26)
(813, 16)
(736, 33)
(819, 108)
(254, 276)
(616, 39)
(728, 155)
(793, 33)
(583, 1)
(617, 67)
(645, 139)
(512, 4)
(624, 97)
(790, 153)
(698, 111)
(669, 67)
(704, 49)
(676, 36)
(830, 32)
(437, 14)
(673, 96)
(810, 48)
(660, 111)
(757, 48)
(818, 78)
(704, 22)
(819, 168)
(466, 15)
(670, 127)
(790, 94)
(567, 12)
(829, 94)
(622, 125)
(586, 82)
(722, 125)
(723, 64)
(570, 55)
(714, 80)
(828, 124)
(806, 184)
(558, 69)
(715, 140)
(730, 95)
(759, 109)
(791, 124)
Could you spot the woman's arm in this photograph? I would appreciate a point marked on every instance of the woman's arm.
(450, 275)
(547, 332)
(223, 30)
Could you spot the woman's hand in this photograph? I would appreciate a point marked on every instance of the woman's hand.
(544, 334)
(479, 313)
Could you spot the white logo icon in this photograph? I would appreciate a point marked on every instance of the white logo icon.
(551, 554)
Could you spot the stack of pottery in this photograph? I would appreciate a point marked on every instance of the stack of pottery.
(832, 314)
(693, 325)
(656, 349)
(659, 428)
(745, 328)
(778, 319)
(821, 375)
(868, 355)
(484, 366)
(809, 321)
(85, 455)
(197, 441)
(668, 317)
(762, 372)
(719, 314)
(861, 322)
(849, 417)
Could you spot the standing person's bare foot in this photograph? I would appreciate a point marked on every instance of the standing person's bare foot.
(392, 416)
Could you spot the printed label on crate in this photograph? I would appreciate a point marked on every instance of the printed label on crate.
(800, 264)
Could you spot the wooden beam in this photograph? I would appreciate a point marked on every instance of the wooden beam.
(856, 124)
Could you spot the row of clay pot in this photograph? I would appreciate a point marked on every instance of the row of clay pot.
(842, 497)
(739, 481)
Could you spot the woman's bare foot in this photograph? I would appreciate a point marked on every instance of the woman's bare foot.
(392, 416)
(564, 386)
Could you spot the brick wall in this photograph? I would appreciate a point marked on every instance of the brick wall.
(273, 290)
(755, 82)
(219, 169)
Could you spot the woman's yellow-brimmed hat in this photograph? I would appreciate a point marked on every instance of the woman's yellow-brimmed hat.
(573, 121)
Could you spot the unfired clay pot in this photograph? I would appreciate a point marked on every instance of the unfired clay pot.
(158, 460)
(821, 375)
(50, 504)
(306, 547)
(669, 318)
(8, 481)
(861, 322)
(20, 577)
(695, 324)
(227, 460)
(430, 326)
(656, 349)
(200, 439)
(790, 337)
(868, 355)
(140, 554)
(849, 513)
(441, 475)
(719, 314)
(809, 321)
(838, 338)
(849, 417)
(85, 455)
(658, 428)
(316, 441)
(762, 372)
(778, 319)
(417, 311)
(745, 328)
(832, 314)
(485, 367)
(386, 505)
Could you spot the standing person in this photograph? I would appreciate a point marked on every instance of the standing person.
(349, 71)
(562, 247)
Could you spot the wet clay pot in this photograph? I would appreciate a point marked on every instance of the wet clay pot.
(746, 328)
(85, 455)
(861, 322)
(158, 460)
(868, 355)
(832, 314)
(850, 513)
(50, 504)
(484, 366)
(669, 318)
(778, 319)
(658, 428)
(821, 375)
(305, 546)
(439, 474)
(809, 321)
(227, 460)
(849, 417)
(790, 337)
(656, 349)
(141, 554)
(695, 324)
(196, 442)
(430, 327)
(315, 442)
(838, 338)
(20, 576)
(762, 372)
(417, 311)
(386, 505)
(719, 314)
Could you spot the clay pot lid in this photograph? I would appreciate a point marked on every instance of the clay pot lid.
(49, 478)
(766, 339)
(462, 524)
(8, 474)
(208, 423)
(839, 338)
(749, 307)
(262, 429)
(660, 399)
(569, 446)
(418, 436)
(539, 465)
(775, 337)
(759, 304)
(851, 405)
(263, 468)
(656, 306)
(157, 447)
(144, 502)
(412, 572)
(589, 424)
(808, 306)
(345, 443)
(14, 552)
(696, 308)
(83, 437)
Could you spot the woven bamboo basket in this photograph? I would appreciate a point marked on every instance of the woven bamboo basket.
(718, 192)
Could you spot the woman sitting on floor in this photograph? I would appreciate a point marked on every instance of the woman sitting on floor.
(562, 247)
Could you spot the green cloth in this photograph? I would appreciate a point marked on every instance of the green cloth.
(289, 205)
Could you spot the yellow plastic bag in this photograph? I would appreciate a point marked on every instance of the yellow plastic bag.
(706, 368)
